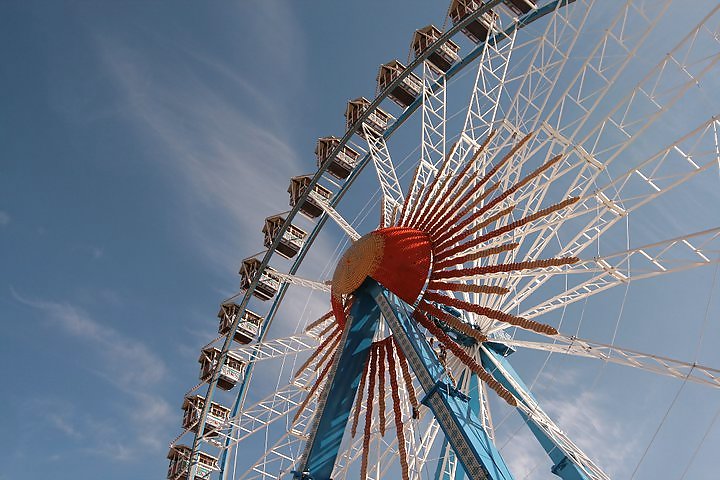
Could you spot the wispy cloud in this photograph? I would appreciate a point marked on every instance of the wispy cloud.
(586, 419)
(128, 365)
(224, 148)
(4, 218)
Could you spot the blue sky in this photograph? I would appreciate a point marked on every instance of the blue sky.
(141, 146)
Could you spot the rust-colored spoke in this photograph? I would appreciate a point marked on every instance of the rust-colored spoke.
(521, 322)
(470, 206)
(359, 398)
(452, 321)
(443, 222)
(465, 358)
(438, 231)
(467, 287)
(406, 375)
(476, 255)
(504, 267)
(381, 224)
(332, 325)
(368, 413)
(403, 220)
(320, 378)
(469, 231)
(320, 320)
(421, 223)
(397, 413)
(463, 247)
(381, 385)
(446, 205)
(429, 192)
(328, 352)
(495, 201)
(450, 210)
(317, 352)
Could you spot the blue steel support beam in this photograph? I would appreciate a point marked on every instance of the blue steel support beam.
(336, 400)
(474, 394)
(472, 445)
(563, 466)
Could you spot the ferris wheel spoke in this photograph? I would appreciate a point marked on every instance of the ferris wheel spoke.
(389, 185)
(684, 159)
(570, 345)
(618, 46)
(337, 218)
(281, 457)
(546, 58)
(690, 60)
(277, 461)
(302, 282)
(419, 452)
(661, 258)
(489, 82)
(354, 449)
(433, 116)
(276, 406)
(275, 348)
(657, 81)
(678, 163)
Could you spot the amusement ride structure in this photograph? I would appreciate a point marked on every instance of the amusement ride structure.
(565, 133)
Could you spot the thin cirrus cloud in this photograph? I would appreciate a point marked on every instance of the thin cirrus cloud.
(223, 143)
(605, 442)
(142, 419)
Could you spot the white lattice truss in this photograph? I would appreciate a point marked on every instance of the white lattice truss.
(392, 194)
(302, 282)
(335, 216)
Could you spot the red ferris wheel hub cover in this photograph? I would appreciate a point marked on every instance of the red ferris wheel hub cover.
(397, 257)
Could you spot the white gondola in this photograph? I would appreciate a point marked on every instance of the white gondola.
(231, 372)
(478, 29)
(407, 91)
(441, 59)
(178, 468)
(377, 121)
(292, 238)
(310, 208)
(267, 286)
(344, 161)
(247, 328)
(192, 406)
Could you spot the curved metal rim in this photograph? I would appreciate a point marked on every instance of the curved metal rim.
(407, 113)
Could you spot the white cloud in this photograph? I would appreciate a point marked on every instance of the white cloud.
(585, 418)
(4, 218)
(128, 365)
(63, 424)
(224, 149)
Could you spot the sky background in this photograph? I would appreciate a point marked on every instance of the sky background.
(141, 146)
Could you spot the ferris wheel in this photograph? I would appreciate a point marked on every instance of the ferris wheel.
(551, 154)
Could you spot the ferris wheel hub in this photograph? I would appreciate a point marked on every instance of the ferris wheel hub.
(397, 257)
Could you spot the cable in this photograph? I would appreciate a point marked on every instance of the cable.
(662, 422)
